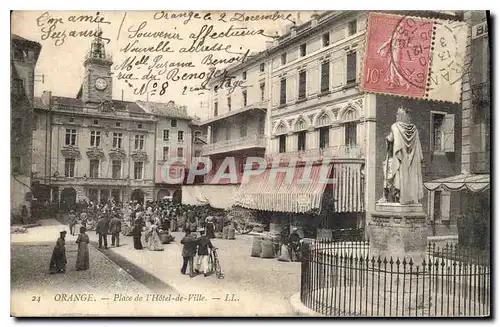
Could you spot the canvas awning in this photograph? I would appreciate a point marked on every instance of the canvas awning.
(474, 183)
(297, 195)
(348, 188)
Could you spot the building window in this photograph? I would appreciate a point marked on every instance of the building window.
(165, 152)
(262, 91)
(18, 86)
(96, 122)
(283, 58)
(229, 103)
(139, 126)
(244, 98)
(303, 49)
(351, 67)
(324, 137)
(262, 67)
(244, 75)
(283, 91)
(71, 119)
(16, 164)
(282, 145)
(173, 123)
(197, 153)
(70, 137)
(326, 39)
(301, 141)
(302, 84)
(116, 169)
(180, 136)
(216, 109)
(325, 76)
(118, 124)
(138, 170)
(166, 135)
(350, 134)
(94, 168)
(180, 152)
(197, 134)
(35, 122)
(139, 142)
(443, 133)
(95, 138)
(352, 27)
(117, 140)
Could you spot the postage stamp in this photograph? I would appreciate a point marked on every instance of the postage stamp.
(403, 57)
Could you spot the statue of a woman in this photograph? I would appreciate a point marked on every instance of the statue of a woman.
(403, 164)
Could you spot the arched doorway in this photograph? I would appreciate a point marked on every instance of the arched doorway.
(137, 195)
(162, 194)
(177, 196)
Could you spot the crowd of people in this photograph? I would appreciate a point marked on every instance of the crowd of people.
(149, 224)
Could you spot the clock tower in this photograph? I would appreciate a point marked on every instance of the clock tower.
(97, 84)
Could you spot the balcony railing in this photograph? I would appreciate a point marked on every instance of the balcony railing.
(332, 152)
(90, 181)
(252, 141)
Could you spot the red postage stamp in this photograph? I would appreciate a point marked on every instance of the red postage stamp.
(397, 57)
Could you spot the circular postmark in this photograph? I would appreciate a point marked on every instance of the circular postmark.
(411, 52)
(425, 53)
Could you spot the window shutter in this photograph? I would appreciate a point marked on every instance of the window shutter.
(445, 205)
(313, 80)
(325, 76)
(291, 88)
(337, 72)
(276, 93)
(449, 133)
(337, 34)
(351, 67)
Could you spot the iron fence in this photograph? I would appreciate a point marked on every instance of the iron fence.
(343, 279)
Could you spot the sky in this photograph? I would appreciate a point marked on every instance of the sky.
(62, 65)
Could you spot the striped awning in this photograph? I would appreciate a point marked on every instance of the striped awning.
(348, 192)
(284, 194)
(474, 183)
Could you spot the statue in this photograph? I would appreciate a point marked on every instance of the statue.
(403, 164)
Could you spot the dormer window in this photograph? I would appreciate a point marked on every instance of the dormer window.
(71, 119)
(139, 125)
(244, 75)
(283, 58)
(96, 122)
(118, 124)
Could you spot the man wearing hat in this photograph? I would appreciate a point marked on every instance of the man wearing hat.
(58, 260)
(202, 262)
(72, 222)
(102, 229)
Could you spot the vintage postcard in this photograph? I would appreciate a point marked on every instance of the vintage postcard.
(263, 163)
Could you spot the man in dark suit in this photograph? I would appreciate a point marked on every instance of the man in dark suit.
(102, 229)
(190, 243)
(202, 262)
(115, 228)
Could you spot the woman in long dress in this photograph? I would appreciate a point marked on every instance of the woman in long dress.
(58, 260)
(154, 241)
(82, 258)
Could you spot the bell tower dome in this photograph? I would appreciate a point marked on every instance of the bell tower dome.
(97, 84)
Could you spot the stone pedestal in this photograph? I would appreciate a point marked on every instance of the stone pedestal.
(399, 231)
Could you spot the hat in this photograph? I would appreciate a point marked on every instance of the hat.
(294, 229)
(63, 232)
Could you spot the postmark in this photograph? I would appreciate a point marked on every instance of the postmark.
(414, 57)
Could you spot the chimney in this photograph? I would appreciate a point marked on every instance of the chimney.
(47, 98)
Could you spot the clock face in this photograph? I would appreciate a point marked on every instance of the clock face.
(100, 83)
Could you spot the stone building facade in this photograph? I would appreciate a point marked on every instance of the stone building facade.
(23, 59)
(93, 147)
